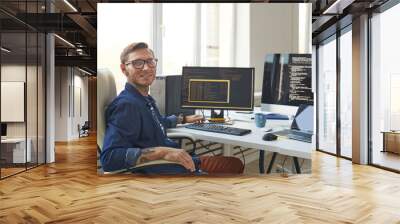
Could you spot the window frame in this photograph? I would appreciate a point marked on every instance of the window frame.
(27, 29)
(371, 14)
(333, 37)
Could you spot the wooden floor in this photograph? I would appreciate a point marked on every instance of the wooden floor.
(5, 172)
(10, 171)
(386, 159)
(70, 191)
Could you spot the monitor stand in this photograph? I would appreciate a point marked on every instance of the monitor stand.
(217, 117)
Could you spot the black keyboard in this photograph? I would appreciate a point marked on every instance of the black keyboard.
(218, 128)
(295, 135)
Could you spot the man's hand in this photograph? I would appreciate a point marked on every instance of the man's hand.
(171, 154)
(180, 156)
(194, 119)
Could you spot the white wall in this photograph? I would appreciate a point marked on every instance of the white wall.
(16, 73)
(80, 84)
(33, 126)
(304, 28)
(69, 85)
(274, 28)
(61, 103)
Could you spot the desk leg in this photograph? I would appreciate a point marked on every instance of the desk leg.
(296, 165)
(272, 162)
(227, 150)
(384, 143)
(261, 161)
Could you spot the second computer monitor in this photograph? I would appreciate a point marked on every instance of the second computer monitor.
(3, 129)
(218, 88)
(286, 82)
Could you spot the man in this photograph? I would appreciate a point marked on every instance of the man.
(136, 132)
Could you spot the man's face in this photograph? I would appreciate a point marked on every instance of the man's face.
(143, 77)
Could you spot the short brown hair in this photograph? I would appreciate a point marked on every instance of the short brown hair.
(131, 48)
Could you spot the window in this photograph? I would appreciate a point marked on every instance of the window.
(327, 96)
(22, 88)
(346, 93)
(335, 106)
(385, 84)
(217, 32)
(208, 38)
(178, 30)
(180, 34)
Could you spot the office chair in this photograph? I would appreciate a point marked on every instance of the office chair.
(105, 94)
(84, 129)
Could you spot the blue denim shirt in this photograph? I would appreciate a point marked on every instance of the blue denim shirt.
(131, 127)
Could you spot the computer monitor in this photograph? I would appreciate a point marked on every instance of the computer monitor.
(3, 129)
(304, 119)
(286, 82)
(221, 88)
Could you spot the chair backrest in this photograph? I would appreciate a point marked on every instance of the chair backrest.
(106, 92)
(86, 125)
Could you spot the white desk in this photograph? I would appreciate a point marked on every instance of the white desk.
(19, 149)
(296, 149)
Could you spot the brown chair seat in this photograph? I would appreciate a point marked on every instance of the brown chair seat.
(221, 165)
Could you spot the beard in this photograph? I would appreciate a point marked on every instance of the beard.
(143, 79)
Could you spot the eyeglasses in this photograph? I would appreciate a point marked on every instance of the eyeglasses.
(139, 63)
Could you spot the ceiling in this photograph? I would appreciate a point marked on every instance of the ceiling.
(332, 15)
(76, 22)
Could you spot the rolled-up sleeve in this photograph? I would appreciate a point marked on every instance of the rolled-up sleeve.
(123, 123)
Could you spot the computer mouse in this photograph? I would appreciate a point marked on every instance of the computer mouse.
(270, 137)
